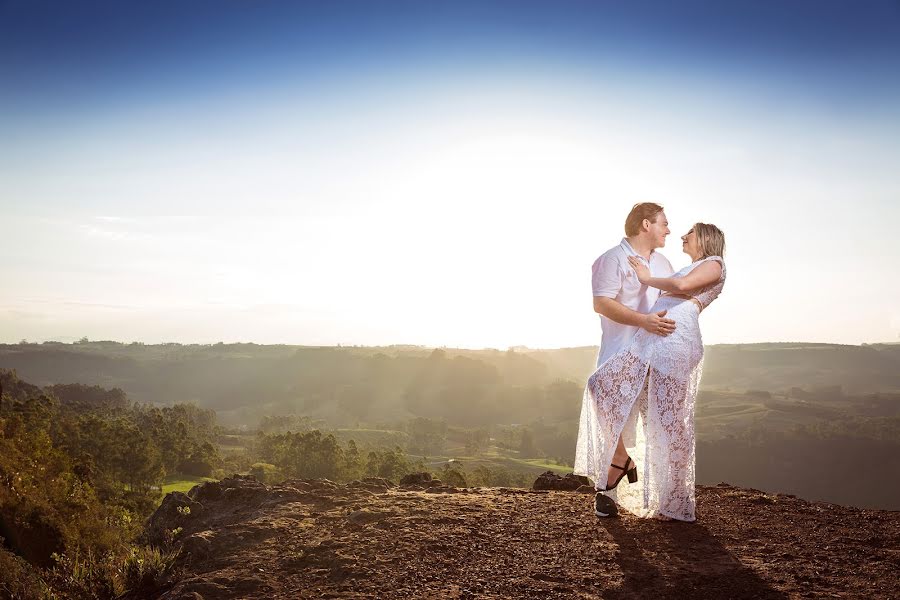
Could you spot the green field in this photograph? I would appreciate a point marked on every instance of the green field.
(537, 462)
(181, 483)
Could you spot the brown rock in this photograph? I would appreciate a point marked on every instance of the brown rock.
(199, 545)
(365, 516)
(177, 510)
(548, 480)
(423, 479)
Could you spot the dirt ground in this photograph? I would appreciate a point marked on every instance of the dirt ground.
(316, 539)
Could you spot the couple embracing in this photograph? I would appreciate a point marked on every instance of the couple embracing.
(637, 415)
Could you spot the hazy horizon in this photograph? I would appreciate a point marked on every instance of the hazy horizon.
(78, 341)
(440, 175)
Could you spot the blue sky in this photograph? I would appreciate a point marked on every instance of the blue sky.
(205, 171)
(151, 51)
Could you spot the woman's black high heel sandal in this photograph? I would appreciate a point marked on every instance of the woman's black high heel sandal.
(631, 473)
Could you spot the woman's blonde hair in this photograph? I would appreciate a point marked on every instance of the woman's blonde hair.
(710, 239)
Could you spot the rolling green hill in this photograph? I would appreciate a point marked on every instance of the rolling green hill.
(349, 385)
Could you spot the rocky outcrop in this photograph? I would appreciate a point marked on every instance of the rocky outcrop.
(425, 480)
(176, 510)
(417, 479)
(548, 480)
(374, 539)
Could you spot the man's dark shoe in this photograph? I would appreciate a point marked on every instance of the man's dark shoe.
(604, 506)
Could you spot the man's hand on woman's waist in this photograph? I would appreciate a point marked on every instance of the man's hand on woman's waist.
(658, 324)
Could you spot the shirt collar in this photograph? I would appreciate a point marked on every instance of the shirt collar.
(630, 251)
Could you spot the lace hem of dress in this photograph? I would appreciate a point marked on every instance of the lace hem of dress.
(646, 394)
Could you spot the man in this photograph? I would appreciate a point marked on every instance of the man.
(624, 303)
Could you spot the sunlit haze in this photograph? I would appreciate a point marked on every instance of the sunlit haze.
(274, 173)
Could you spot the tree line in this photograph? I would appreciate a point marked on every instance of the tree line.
(80, 470)
(314, 454)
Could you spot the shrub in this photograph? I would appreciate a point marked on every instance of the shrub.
(452, 476)
(87, 575)
(265, 472)
(19, 580)
(148, 567)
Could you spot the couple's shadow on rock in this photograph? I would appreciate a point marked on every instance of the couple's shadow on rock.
(679, 560)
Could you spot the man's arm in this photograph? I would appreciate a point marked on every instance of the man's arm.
(618, 312)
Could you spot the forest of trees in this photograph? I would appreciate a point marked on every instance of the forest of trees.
(312, 453)
(355, 387)
(80, 470)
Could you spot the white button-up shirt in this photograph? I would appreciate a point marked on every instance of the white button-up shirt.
(613, 277)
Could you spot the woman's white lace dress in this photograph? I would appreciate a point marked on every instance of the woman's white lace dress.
(646, 392)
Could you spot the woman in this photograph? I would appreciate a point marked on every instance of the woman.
(638, 417)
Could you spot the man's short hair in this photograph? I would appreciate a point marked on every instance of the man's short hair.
(644, 210)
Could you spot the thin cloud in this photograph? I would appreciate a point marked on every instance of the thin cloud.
(115, 235)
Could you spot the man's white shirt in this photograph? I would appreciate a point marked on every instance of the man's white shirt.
(613, 277)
